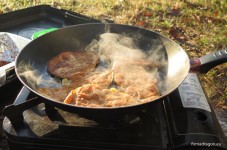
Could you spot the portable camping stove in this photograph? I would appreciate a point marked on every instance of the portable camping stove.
(184, 119)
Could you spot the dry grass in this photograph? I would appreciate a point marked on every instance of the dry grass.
(198, 25)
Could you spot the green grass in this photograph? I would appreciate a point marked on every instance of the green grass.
(200, 26)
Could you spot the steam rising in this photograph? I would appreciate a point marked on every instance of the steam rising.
(119, 52)
(116, 48)
(37, 78)
(123, 55)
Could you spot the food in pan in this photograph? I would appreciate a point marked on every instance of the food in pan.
(143, 87)
(108, 73)
(102, 79)
(101, 87)
(92, 95)
(68, 63)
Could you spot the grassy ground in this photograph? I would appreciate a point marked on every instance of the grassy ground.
(198, 25)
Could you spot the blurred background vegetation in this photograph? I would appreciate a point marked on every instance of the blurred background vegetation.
(199, 26)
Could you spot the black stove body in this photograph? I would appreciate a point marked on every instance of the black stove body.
(184, 119)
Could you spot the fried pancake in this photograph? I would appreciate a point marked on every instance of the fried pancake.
(68, 63)
(92, 95)
(102, 78)
(137, 83)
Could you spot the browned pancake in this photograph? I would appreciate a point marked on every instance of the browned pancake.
(137, 83)
(68, 63)
(92, 95)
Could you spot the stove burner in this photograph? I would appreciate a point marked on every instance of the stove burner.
(71, 119)
(148, 129)
(136, 131)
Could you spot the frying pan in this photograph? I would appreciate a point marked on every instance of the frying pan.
(34, 57)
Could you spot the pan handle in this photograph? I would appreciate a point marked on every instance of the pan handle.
(209, 61)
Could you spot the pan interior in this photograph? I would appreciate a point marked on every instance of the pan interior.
(31, 63)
